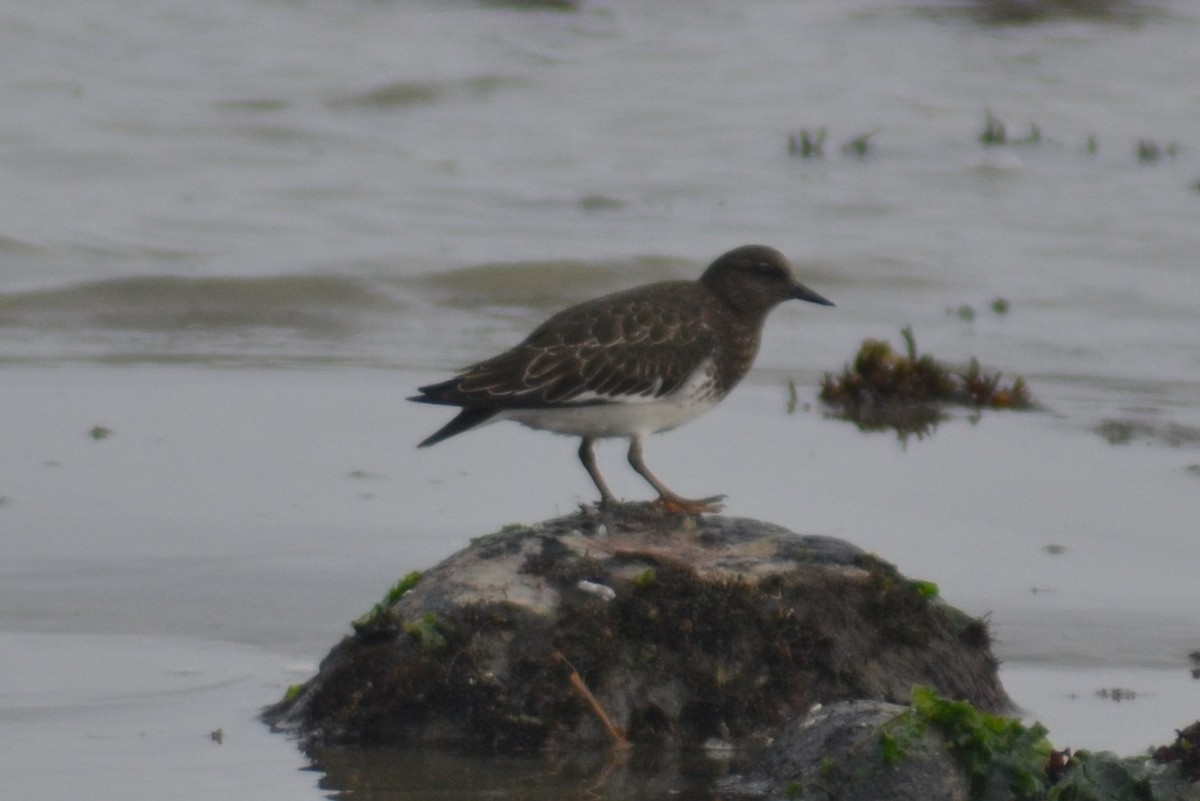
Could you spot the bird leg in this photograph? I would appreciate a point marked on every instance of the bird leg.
(589, 464)
(671, 502)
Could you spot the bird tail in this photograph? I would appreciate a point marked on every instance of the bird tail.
(465, 420)
(446, 393)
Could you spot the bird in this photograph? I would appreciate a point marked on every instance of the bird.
(630, 364)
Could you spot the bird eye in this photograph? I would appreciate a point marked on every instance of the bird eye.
(766, 269)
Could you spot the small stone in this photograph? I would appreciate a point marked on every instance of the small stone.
(599, 590)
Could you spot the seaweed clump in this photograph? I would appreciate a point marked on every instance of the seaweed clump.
(1026, 12)
(940, 748)
(1184, 752)
(1001, 757)
(906, 392)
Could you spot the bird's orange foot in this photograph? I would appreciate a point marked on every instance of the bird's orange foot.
(673, 504)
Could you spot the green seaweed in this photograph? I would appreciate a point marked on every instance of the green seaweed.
(807, 145)
(926, 589)
(995, 133)
(1149, 152)
(993, 130)
(645, 579)
(1001, 757)
(1030, 12)
(382, 612)
(990, 748)
(429, 631)
(860, 145)
(401, 588)
(898, 737)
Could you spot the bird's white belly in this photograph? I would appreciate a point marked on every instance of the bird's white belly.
(612, 419)
(629, 415)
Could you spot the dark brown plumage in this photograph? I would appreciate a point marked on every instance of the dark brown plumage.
(631, 363)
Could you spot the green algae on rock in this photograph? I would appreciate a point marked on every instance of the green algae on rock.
(842, 751)
(999, 756)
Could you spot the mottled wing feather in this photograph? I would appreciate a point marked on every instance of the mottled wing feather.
(615, 348)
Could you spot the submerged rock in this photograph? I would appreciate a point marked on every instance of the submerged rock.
(939, 749)
(943, 750)
(838, 752)
(634, 624)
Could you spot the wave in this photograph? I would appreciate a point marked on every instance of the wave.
(314, 304)
(411, 93)
(545, 285)
(377, 318)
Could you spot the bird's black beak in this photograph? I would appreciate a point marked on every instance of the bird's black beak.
(801, 292)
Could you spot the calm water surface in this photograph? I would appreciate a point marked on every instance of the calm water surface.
(235, 235)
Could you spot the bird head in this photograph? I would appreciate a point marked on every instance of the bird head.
(753, 279)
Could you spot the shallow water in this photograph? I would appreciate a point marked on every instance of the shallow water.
(236, 235)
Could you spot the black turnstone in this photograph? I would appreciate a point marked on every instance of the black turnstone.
(630, 364)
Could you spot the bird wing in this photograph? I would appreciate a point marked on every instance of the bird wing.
(618, 348)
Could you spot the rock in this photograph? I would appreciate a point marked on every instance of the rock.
(601, 626)
(943, 750)
(1104, 775)
(836, 752)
